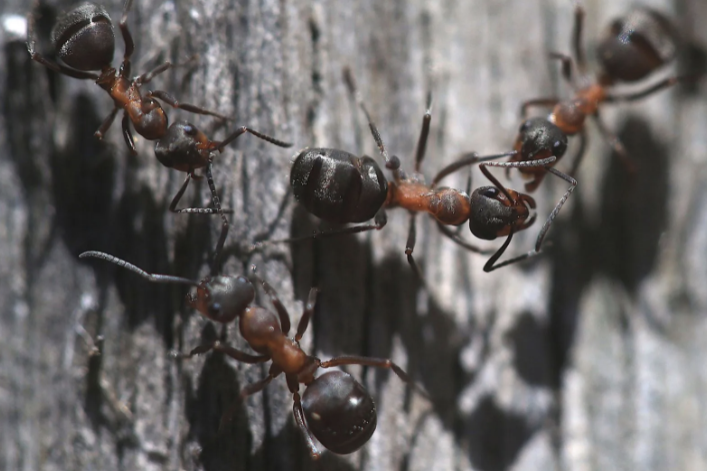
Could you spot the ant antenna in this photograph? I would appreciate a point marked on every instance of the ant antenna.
(139, 271)
(391, 162)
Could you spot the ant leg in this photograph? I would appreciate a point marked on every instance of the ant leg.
(307, 314)
(127, 38)
(173, 205)
(224, 222)
(424, 133)
(566, 66)
(380, 220)
(242, 130)
(275, 300)
(577, 39)
(616, 144)
(106, 124)
(583, 137)
(127, 135)
(154, 278)
(234, 353)
(148, 76)
(410, 246)
(460, 227)
(55, 66)
(548, 102)
(245, 392)
(391, 163)
(375, 362)
(464, 160)
(668, 82)
(456, 238)
(489, 265)
(174, 103)
(299, 418)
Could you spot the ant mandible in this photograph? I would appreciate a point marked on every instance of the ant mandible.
(334, 408)
(337, 186)
(83, 39)
(633, 48)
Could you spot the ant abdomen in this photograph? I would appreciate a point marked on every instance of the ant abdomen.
(337, 186)
(339, 412)
(83, 38)
(636, 45)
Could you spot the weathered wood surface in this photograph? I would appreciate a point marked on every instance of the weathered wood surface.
(590, 358)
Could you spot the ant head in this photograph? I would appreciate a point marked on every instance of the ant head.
(84, 39)
(539, 138)
(339, 412)
(494, 215)
(337, 186)
(223, 298)
(636, 45)
(184, 147)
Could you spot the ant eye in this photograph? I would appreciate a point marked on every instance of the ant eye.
(189, 129)
(214, 309)
(556, 144)
(525, 126)
(490, 192)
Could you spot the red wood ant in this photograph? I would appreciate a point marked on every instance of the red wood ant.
(185, 148)
(337, 186)
(634, 47)
(83, 39)
(334, 408)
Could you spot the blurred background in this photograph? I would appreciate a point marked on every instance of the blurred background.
(588, 357)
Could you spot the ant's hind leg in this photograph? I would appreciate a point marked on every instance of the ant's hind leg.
(127, 135)
(537, 103)
(566, 66)
(379, 222)
(377, 363)
(581, 150)
(106, 124)
(424, 133)
(616, 144)
(127, 38)
(55, 66)
(174, 103)
(577, 39)
(410, 246)
(299, 418)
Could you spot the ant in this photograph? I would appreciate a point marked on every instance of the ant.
(337, 186)
(334, 407)
(84, 40)
(185, 148)
(633, 48)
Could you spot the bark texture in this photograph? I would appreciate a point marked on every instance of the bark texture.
(591, 357)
